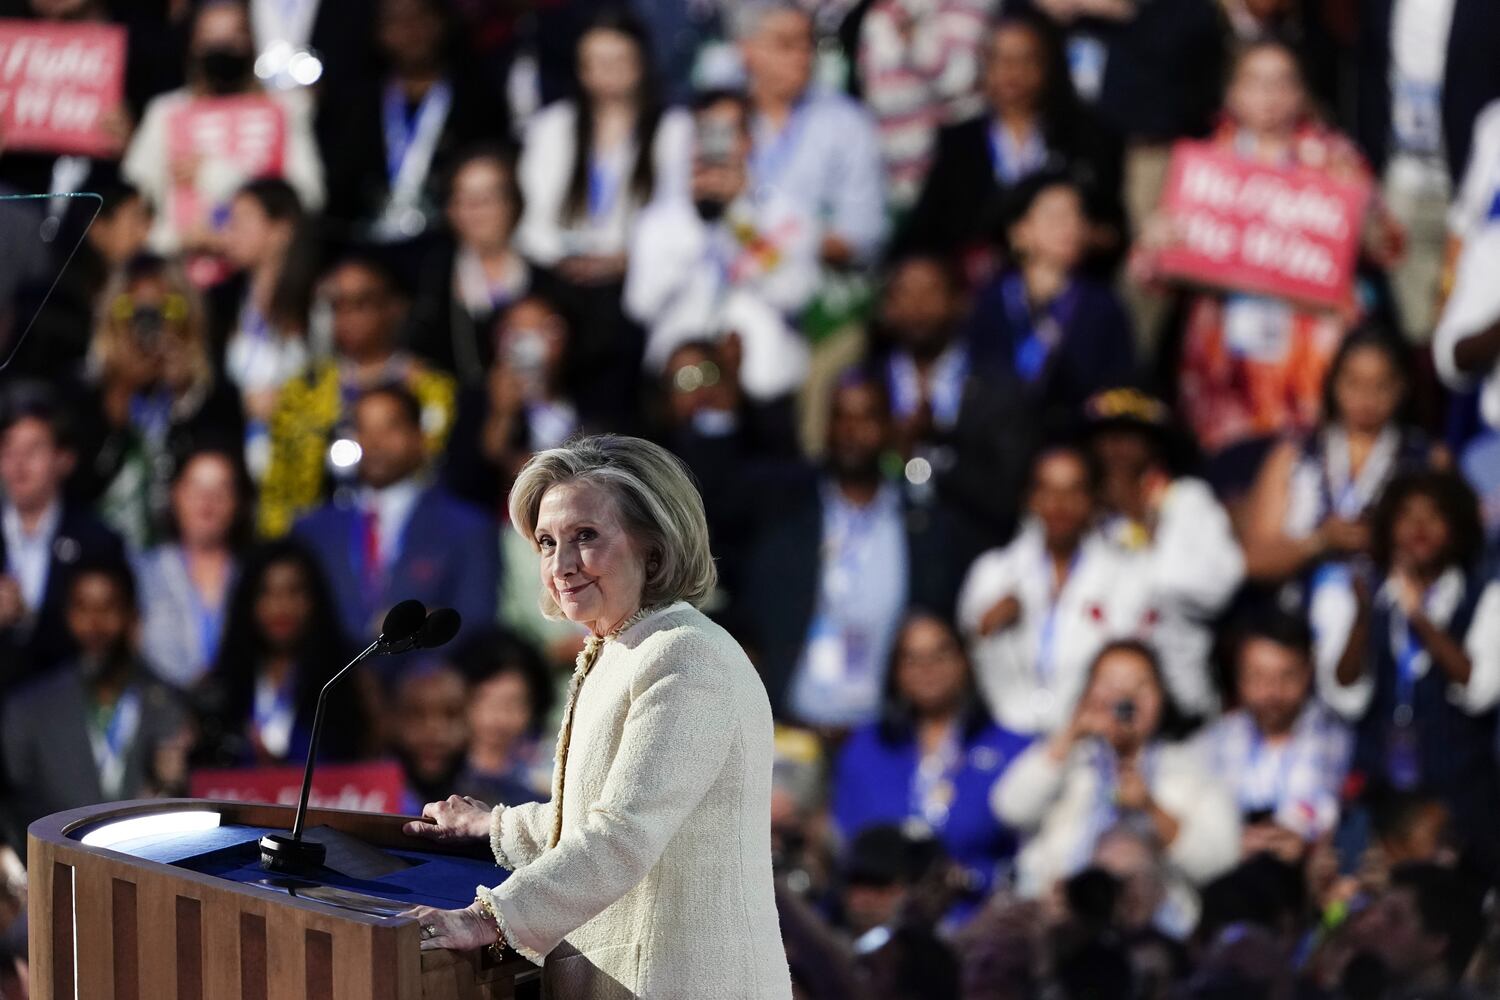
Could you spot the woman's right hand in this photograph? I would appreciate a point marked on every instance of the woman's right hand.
(1091, 719)
(456, 819)
(1002, 615)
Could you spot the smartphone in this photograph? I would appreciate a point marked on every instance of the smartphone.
(1125, 711)
(716, 141)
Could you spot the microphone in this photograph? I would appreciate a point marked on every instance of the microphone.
(439, 628)
(402, 624)
(402, 629)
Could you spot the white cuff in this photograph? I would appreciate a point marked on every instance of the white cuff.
(497, 907)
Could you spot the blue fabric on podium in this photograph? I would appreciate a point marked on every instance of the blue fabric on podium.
(232, 852)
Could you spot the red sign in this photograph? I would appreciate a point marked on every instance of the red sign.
(215, 145)
(373, 787)
(1288, 232)
(57, 84)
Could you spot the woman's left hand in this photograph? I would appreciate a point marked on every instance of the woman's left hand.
(454, 930)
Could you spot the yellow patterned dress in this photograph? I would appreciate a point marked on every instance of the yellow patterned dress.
(310, 408)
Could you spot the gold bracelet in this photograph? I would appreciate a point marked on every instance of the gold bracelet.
(497, 949)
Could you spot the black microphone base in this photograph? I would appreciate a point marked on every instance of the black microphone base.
(280, 853)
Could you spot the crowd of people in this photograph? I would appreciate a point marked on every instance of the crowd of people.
(1127, 637)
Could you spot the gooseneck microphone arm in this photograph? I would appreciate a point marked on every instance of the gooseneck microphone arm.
(317, 732)
(402, 630)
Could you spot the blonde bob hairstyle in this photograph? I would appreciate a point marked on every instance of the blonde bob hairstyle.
(657, 501)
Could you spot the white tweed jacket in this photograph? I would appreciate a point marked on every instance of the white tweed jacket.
(660, 884)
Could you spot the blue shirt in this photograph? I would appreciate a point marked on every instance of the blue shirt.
(875, 783)
(862, 591)
(826, 158)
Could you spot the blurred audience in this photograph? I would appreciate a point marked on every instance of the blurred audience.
(931, 759)
(1410, 653)
(1031, 122)
(401, 536)
(1036, 612)
(99, 727)
(818, 150)
(1126, 636)
(45, 535)
(958, 422)
(732, 259)
(1117, 761)
(466, 288)
(1284, 752)
(1252, 366)
(1183, 542)
(282, 641)
(187, 183)
(185, 583)
(1061, 334)
(154, 394)
(260, 316)
(1312, 497)
(311, 424)
(509, 704)
(389, 148)
(828, 578)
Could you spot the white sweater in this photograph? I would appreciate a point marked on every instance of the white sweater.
(660, 885)
(1052, 805)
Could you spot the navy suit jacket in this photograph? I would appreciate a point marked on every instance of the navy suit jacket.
(450, 557)
(1471, 77)
(782, 573)
(1097, 349)
(81, 537)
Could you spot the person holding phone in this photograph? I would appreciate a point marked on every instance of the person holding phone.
(732, 258)
(153, 394)
(1117, 763)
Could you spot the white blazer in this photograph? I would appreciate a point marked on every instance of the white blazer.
(1030, 674)
(660, 885)
(1054, 806)
(547, 166)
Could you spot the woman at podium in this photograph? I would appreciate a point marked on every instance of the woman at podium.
(648, 873)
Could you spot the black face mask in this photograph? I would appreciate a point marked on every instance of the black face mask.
(710, 209)
(223, 69)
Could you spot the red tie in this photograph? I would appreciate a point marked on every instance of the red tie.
(372, 545)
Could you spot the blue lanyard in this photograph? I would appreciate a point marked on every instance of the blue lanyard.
(151, 414)
(1036, 337)
(210, 619)
(768, 161)
(1046, 645)
(1406, 678)
(122, 723)
(1283, 770)
(604, 188)
(402, 126)
(933, 787)
(280, 705)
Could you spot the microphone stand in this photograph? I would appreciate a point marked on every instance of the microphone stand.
(282, 853)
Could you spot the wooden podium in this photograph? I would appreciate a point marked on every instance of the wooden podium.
(110, 922)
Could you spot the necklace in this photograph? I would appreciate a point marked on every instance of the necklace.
(593, 646)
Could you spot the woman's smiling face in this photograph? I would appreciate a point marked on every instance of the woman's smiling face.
(591, 565)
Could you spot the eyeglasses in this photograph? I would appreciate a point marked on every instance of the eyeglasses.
(691, 378)
(172, 309)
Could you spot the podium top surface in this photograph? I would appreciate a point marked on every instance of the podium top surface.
(372, 869)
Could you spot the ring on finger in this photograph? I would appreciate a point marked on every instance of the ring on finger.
(429, 931)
